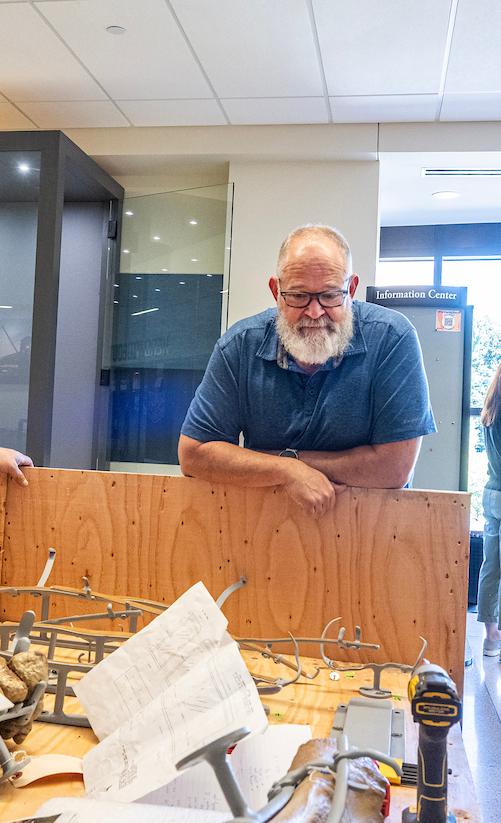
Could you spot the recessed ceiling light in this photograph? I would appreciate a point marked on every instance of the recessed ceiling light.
(116, 286)
(129, 213)
(445, 195)
(165, 269)
(209, 275)
(182, 283)
(157, 289)
(23, 168)
(193, 222)
(138, 278)
(115, 29)
(156, 237)
(126, 251)
(116, 302)
(194, 259)
(134, 295)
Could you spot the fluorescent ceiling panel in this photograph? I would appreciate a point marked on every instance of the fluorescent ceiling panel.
(276, 110)
(173, 112)
(11, 118)
(397, 108)
(34, 64)
(254, 48)
(471, 107)
(475, 58)
(388, 47)
(80, 115)
(150, 61)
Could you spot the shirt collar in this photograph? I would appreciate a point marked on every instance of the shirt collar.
(272, 349)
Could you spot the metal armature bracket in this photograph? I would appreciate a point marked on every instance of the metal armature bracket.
(376, 690)
(264, 646)
(23, 712)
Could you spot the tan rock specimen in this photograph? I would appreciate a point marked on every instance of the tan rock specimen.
(18, 679)
(12, 686)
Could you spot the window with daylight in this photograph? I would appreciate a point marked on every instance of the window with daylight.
(457, 255)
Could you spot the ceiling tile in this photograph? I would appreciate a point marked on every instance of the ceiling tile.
(254, 48)
(78, 115)
(388, 47)
(475, 57)
(471, 107)
(173, 112)
(276, 110)
(397, 108)
(11, 118)
(150, 61)
(34, 64)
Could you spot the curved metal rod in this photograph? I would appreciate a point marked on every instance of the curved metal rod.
(279, 659)
(421, 653)
(223, 597)
(268, 653)
(328, 662)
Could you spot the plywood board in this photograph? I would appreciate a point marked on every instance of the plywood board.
(394, 562)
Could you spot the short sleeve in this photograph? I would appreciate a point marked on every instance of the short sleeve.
(214, 411)
(401, 399)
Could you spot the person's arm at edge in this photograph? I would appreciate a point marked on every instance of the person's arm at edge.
(220, 462)
(382, 466)
(10, 463)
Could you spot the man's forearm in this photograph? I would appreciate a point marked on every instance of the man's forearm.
(221, 462)
(384, 466)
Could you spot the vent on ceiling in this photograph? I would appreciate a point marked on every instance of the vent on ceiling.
(461, 172)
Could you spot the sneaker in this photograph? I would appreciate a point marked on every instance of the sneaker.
(492, 648)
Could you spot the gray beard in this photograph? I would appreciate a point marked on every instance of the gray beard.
(315, 341)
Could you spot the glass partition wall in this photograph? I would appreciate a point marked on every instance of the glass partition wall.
(169, 308)
(19, 194)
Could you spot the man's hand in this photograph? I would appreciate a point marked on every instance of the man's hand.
(310, 489)
(10, 462)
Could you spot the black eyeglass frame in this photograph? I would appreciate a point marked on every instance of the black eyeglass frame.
(315, 295)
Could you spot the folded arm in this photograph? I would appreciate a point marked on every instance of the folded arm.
(382, 466)
(220, 462)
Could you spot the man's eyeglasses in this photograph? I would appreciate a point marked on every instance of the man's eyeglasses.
(330, 299)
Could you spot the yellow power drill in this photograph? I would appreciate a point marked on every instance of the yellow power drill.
(436, 706)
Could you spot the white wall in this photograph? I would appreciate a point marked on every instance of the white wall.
(270, 199)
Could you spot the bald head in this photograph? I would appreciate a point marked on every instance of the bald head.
(310, 234)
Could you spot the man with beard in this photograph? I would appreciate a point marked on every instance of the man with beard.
(334, 383)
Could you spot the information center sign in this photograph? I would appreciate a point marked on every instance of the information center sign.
(393, 296)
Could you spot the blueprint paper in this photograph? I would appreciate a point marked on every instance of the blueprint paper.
(257, 762)
(209, 700)
(186, 635)
(84, 810)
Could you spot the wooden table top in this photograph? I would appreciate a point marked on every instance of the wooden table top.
(307, 702)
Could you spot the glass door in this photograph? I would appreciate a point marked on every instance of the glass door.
(169, 308)
(19, 196)
(482, 276)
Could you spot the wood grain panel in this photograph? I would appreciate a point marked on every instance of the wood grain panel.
(395, 562)
(3, 500)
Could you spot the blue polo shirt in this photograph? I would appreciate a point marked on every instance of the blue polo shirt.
(376, 393)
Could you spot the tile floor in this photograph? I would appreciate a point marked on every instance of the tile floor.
(482, 723)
